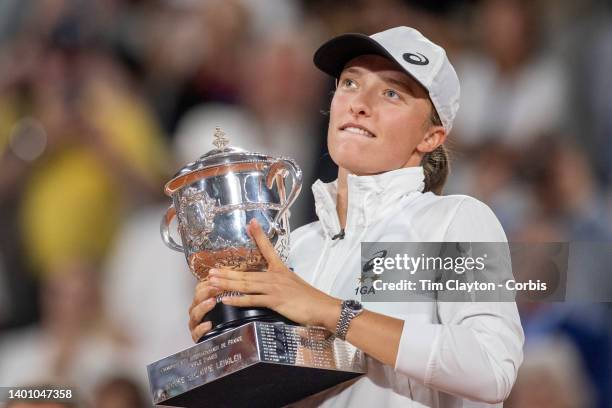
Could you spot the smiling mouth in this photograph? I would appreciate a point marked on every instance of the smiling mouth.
(357, 130)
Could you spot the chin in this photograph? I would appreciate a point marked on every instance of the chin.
(360, 161)
(355, 164)
(345, 159)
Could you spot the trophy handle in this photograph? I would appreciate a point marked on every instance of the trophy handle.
(284, 167)
(164, 229)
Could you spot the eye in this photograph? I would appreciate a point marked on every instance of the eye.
(391, 94)
(348, 83)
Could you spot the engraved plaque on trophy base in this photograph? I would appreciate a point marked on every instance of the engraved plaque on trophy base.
(257, 364)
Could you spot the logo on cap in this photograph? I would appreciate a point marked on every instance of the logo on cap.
(417, 58)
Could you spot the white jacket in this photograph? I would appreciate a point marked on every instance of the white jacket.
(450, 354)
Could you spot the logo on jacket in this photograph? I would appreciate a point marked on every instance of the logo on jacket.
(367, 274)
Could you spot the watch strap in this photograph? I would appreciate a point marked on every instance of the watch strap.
(347, 314)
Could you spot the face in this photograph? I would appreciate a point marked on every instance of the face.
(379, 118)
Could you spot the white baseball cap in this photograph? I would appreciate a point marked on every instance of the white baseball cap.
(420, 58)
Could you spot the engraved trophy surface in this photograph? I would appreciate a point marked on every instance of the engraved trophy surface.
(252, 356)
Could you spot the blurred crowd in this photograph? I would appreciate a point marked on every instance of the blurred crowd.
(102, 101)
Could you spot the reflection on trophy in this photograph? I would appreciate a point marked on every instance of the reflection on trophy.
(252, 356)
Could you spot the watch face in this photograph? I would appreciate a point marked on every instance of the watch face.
(353, 305)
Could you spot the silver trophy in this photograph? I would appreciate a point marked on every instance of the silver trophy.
(216, 196)
(252, 356)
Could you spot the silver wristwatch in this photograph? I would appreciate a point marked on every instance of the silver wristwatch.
(350, 310)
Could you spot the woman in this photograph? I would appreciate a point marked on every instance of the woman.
(396, 98)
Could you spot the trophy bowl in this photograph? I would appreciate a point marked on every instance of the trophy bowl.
(214, 199)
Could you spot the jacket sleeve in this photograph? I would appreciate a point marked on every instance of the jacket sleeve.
(476, 348)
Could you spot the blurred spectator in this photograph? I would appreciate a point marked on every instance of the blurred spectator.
(566, 191)
(493, 175)
(370, 16)
(119, 393)
(140, 267)
(279, 90)
(512, 91)
(192, 55)
(551, 376)
(283, 89)
(585, 327)
(270, 17)
(580, 33)
(593, 79)
(74, 344)
(88, 146)
(580, 320)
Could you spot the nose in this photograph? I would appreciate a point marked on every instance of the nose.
(359, 105)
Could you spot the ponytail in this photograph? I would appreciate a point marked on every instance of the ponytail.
(436, 164)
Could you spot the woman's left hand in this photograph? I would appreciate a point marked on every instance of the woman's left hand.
(277, 288)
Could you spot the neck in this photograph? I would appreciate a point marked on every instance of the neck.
(342, 188)
(342, 196)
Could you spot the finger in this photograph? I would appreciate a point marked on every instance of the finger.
(200, 330)
(247, 300)
(243, 286)
(263, 243)
(199, 311)
(231, 274)
(203, 292)
(202, 284)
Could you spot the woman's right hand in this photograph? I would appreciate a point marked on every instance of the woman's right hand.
(203, 302)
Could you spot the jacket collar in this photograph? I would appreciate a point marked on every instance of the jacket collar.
(368, 197)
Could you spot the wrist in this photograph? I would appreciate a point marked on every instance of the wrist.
(329, 314)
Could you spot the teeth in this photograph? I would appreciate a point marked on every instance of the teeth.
(358, 131)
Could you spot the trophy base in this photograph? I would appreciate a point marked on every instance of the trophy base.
(258, 364)
(226, 317)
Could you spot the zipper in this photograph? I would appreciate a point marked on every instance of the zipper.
(333, 264)
(329, 263)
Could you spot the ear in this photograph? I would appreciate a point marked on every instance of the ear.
(435, 136)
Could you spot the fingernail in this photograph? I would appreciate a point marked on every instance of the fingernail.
(212, 271)
(210, 301)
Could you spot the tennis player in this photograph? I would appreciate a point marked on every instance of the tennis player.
(392, 111)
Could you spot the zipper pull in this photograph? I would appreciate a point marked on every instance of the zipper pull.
(339, 235)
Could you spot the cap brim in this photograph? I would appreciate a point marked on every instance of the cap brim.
(332, 56)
